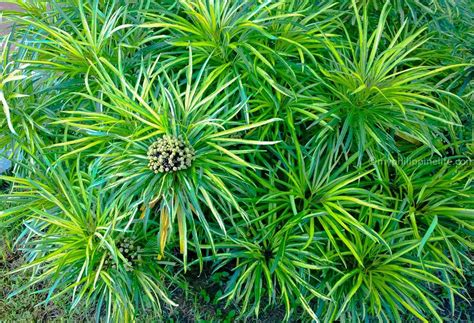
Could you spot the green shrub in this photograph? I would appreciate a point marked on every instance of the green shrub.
(311, 159)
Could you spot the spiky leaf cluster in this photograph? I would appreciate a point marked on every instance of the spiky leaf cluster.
(170, 154)
(329, 143)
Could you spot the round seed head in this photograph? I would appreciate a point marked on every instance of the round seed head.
(170, 154)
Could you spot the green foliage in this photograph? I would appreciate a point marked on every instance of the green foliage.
(24, 308)
(223, 160)
(369, 95)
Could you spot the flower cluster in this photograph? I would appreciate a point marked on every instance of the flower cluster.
(170, 154)
(129, 251)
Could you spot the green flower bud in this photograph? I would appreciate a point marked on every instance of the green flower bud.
(170, 154)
